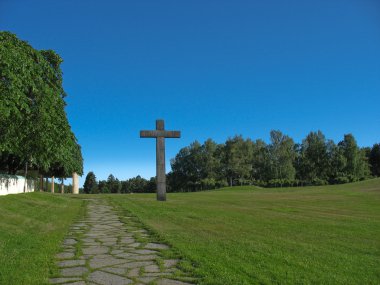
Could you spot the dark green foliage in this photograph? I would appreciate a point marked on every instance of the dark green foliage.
(133, 185)
(356, 167)
(282, 163)
(374, 159)
(90, 185)
(313, 158)
(237, 159)
(103, 187)
(139, 185)
(34, 129)
(113, 184)
(282, 157)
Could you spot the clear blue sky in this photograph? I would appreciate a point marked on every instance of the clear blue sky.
(209, 68)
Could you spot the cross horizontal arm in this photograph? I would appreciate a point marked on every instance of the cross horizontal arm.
(157, 134)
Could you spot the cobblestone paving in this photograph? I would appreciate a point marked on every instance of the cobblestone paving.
(102, 250)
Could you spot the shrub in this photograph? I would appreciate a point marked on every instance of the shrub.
(319, 182)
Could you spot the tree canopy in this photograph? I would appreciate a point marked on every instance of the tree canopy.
(34, 128)
(240, 161)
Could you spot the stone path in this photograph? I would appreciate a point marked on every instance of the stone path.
(102, 250)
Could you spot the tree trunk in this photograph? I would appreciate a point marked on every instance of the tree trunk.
(47, 184)
(62, 187)
(26, 173)
(41, 183)
(52, 184)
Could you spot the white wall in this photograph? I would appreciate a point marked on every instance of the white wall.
(15, 185)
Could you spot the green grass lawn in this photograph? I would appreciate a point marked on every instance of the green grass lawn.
(247, 235)
(32, 227)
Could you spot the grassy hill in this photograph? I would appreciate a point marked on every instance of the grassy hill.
(240, 235)
(32, 227)
(247, 235)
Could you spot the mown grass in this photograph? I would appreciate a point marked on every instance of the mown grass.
(32, 227)
(247, 235)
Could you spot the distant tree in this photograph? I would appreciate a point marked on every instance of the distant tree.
(210, 160)
(314, 164)
(237, 159)
(357, 166)
(113, 184)
(151, 185)
(90, 184)
(138, 184)
(103, 187)
(282, 156)
(337, 163)
(374, 159)
(124, 187)
(261, 163)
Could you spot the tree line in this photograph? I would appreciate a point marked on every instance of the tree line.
(282, 162)
(34, 131)
(113, 185)
(238, 161)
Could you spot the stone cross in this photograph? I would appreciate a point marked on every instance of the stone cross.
(160, 134)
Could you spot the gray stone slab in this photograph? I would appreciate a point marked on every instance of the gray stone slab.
(156, 246)
(144, 251)
(127, 255)
(73, 271)
(65, 255)
(146, 280)
(134, 245)
(105, 262)
(71, 263)
(170, 262)
(116, 270)
(117, 251)
(156, 274)
(101, 256)
(95, 250)
(127, 240)
(69, 241)
(134, 272)
(152, 268)
(63, 280)
(135, 264)
(143, 257)
(104, 278)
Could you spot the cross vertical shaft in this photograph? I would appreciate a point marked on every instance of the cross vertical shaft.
(160, 163)
(160, 134)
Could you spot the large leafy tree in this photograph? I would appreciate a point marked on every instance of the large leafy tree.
(34, 128)
(196, 167)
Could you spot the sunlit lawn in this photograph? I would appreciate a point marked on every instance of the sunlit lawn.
(32, 227)
(247, 235)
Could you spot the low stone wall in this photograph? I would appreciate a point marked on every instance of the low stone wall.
(11, 184)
